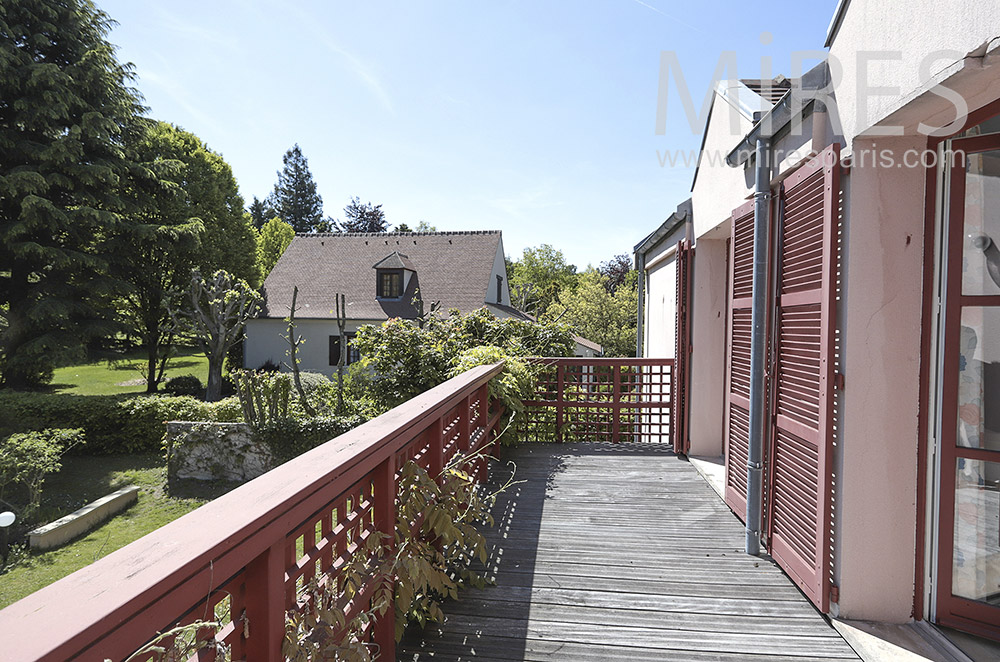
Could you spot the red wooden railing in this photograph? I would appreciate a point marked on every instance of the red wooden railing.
(585, 399)
(245, 557)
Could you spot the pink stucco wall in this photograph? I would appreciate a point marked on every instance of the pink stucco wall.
(877, 496)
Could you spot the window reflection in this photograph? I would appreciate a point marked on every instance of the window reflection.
(981, 237)
(976, 559)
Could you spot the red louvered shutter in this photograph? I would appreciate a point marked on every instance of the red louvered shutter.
(801, 427)
(682, 348)
(738, 395)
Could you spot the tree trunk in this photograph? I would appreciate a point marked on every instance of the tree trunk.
(151, 356)
(213, 392)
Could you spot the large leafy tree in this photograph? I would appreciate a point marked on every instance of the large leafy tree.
(68, 111)
(209, 192)
(538, 277)
(190, 216)
(363, 217)
(272, 242)
(597, 314)
(294, 197)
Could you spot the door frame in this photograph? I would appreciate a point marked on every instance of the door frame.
(946, 608)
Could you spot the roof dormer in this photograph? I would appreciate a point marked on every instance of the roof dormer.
(392, 275)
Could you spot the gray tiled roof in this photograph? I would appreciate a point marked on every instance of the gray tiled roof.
(451, 267)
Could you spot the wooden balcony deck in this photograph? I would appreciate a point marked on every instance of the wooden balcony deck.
(622, 552)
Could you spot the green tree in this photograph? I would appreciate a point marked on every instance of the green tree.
(538, 277)
(261, 211)
(274, 239)
(598, 315)
(159, 248)
(363, 217)
(209, 192)
(191, 216)
(295, 198)
(67, 113)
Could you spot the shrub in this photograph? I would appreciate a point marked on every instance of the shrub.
(290, 437)
(264, 396)
(312, 381)
(405, 359)
(517, 383)
(26, 458)
(111, 423)
(184, 385)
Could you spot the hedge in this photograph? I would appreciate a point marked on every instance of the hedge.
(112, 424)
(290, 437)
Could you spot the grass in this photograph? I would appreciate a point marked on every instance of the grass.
(84, 479)
(122, 376)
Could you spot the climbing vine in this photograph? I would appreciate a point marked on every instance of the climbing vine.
(437, 540)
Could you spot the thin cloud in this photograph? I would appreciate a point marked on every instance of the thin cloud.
(354, 64)
(670, 16)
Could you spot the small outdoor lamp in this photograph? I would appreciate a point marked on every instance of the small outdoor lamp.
(6, 519)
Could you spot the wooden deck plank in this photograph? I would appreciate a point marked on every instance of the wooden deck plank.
(621, 553)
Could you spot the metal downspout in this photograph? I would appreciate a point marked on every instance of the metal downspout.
(641, 273)
(758, 342)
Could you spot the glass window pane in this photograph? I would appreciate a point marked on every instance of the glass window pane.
(981, 237)
(991, 125)
(976, 558)
(979, 378)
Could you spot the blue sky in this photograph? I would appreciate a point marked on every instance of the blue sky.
(536, 118)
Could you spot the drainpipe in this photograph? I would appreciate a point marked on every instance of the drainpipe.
(758, 341)
(640, 267)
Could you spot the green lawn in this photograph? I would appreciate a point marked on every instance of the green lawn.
(84, 479)
(104, 378)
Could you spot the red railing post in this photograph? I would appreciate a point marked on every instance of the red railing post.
(560, 374)
(616, 399)
(265, 605)
(464, 416)
(385, 522)
(435, 448)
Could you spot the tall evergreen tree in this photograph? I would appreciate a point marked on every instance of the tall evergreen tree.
(67, 113)
(261, 211)
(295, 198)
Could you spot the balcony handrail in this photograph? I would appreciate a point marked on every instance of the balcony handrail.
(115, 605)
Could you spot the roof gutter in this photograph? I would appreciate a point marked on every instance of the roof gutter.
(769, 124)
(811, 90)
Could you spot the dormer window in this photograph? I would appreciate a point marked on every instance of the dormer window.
(392, 275)
(390, 283)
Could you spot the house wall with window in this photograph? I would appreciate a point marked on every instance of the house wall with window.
(266, 342)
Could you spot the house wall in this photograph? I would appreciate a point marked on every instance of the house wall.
(905, 37)
(265, 342)
(878, 480)
(708, 344)
(719, 189)
(877, 518)
(499, 269)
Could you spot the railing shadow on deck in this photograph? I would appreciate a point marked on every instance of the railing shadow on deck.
(512, 568)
